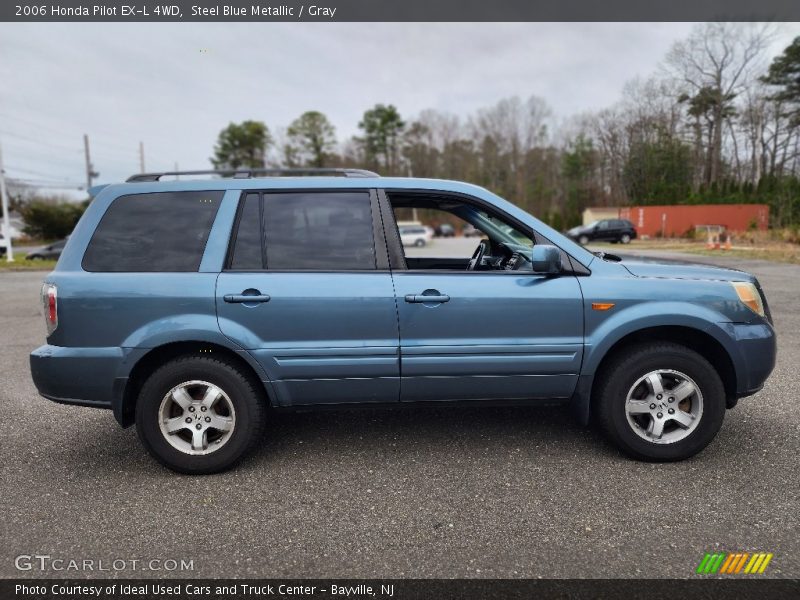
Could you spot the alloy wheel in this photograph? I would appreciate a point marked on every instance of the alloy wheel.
(196, 417)
(664, 406)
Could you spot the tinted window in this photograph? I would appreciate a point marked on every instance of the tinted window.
(247, 253)
(319, 231)
(165, 231)
(602, 225)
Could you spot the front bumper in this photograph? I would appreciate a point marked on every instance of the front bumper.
(757, 350)
(81, 376)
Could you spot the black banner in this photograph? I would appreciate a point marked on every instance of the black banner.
(400, 589)
(399, 10)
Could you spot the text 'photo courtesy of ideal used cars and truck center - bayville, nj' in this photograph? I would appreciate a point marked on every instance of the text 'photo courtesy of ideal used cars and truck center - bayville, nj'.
(399, 301)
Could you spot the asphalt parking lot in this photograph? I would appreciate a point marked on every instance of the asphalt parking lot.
(505, 492)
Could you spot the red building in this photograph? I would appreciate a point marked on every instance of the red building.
(676, 220)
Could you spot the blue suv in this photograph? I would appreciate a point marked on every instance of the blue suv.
(193, 308)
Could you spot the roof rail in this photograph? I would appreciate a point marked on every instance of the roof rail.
(250, 173)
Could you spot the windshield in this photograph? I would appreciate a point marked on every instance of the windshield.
(496, 229)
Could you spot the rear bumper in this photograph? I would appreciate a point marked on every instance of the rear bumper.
(79, 376)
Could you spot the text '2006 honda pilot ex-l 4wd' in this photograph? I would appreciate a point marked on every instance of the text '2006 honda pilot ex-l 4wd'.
(193, 307)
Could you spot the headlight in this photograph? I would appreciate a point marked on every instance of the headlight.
(749, 296)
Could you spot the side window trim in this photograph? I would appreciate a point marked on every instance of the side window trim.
(382, 258)
(397, 257)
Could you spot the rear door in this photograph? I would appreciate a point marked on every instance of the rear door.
(308, 292)
(604, 231)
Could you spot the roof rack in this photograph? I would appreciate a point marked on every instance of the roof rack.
(249, 173)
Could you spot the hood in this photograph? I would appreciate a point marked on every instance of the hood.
(676, 270)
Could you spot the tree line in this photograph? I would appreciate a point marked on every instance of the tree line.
(719, 122)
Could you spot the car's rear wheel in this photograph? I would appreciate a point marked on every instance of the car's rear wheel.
(199, 415)
(625, 238)
(583, 240)
(419, 243)
(660, 401)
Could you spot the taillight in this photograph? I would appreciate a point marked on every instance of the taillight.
(50, 306)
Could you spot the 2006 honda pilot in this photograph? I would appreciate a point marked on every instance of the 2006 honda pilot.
(191, 307)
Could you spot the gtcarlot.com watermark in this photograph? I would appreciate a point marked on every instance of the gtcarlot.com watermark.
(48, 563)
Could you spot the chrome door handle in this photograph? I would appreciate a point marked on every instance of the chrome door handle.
(245, 299)
(427, 298)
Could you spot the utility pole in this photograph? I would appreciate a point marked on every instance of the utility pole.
(90, 172)
(6, 228)
(141, 157)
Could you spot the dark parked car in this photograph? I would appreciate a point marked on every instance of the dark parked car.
(444, 230)
(51, 252)
(607, 230)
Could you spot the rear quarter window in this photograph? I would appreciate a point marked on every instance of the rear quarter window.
(163, 231)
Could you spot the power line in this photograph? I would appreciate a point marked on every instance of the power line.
(45, 184)
(42, 180)
(36, 125)
(28, 171)
(38, 142)
(115, 144)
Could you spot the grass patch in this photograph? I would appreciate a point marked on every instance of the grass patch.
(774, 251)
(787, 254)
(22, 264)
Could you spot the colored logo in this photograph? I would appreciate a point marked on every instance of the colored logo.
(734, 563)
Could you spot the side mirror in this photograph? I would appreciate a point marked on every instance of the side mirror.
(546, 259)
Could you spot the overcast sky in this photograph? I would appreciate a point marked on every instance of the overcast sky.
(173, 86)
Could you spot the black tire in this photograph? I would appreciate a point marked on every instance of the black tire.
(583, 240)
(419, 243)
(625, 238)
(248, 400)
(617, 378)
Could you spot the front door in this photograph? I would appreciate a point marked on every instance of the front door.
(490, 333)
(488, 336)
(306, 293)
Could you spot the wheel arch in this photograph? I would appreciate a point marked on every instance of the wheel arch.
(127, 389)
(698, 340)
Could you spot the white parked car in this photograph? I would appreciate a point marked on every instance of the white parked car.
(415, 235)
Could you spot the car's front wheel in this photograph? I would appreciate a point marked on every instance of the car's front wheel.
(660, 401)
(199, 415)
(583, 240)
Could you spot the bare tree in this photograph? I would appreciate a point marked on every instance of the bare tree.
(714, 65)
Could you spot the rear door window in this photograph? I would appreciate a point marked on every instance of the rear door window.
(305, 231)
(158, 232)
